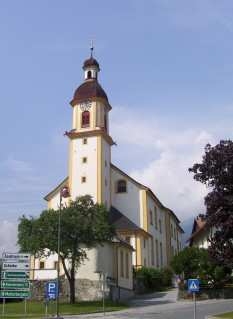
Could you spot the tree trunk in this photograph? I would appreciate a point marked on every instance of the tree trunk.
(72, 283)
(72, 290)
(71, 278)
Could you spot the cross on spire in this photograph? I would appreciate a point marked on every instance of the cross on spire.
(92, 48)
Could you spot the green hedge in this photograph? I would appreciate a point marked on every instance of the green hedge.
(155, 278)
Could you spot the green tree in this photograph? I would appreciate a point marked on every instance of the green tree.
(193, 261)
(84, 224)
(216, 172)
(187, 261)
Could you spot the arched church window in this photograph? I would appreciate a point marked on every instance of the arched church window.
(89, 74)
(85, 119)
(121, 186)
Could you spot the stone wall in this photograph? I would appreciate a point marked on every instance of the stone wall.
(85, 290)
(139, 286)
(207, 294)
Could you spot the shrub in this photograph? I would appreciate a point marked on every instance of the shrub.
(167, 276)
(154, 278)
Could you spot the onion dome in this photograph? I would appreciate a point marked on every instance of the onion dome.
(90, 89)
(90, 62)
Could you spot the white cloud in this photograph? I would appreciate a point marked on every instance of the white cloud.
(170, 152)
(8, 237)
(169, 179)
(17, 166)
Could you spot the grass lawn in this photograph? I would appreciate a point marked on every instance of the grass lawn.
(16, 308)
(225, 315)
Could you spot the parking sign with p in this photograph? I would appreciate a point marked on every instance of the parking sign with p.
(51, 290)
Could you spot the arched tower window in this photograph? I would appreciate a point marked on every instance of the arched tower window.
(85, 119)
(121, 186)
(89, 74)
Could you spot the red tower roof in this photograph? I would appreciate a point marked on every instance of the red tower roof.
(90, 89)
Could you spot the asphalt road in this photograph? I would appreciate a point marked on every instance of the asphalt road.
(164, 306)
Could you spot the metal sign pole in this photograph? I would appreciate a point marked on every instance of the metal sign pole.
(193, 285)
(3, 307)
(194, 300)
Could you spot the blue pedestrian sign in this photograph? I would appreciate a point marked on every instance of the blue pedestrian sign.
(193, 285)
(51, 290)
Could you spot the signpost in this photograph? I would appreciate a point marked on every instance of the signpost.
(16, 256)
(15, 276)
(15, 265)
(15, 294)
(6, 284)
(193, 285)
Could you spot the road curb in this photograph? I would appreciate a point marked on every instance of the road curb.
(211, 317)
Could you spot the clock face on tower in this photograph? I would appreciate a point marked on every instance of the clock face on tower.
(85, 105)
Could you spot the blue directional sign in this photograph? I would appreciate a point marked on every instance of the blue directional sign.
(51, 290)
(193, 285)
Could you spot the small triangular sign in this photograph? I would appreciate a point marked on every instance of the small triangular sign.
(193, 285)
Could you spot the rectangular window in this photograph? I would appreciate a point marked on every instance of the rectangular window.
(161, 254)
(151, 217)
(122, 264)
(152, 251)
(144, 242)
(106, 164)
(41, 265)
(144, 262)
(84, 141)
(156, 218)
(127, 265)
(157, 252)
(106, 182)
(83, 179)
(55, 264)
(84, 160)
(160, 225)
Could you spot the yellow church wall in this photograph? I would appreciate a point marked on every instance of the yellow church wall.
(106, 176)
(128, 203)
(84, 170)
(157, 229)
(99, 184)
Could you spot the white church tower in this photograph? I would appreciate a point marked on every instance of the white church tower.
(90, 144)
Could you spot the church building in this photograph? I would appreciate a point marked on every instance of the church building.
(148, 232)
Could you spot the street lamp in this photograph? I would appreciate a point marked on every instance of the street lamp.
(64, 192)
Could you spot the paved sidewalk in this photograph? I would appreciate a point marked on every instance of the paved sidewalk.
(137, 302)
(157, 298)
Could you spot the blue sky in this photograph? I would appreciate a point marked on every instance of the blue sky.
(166, 67)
